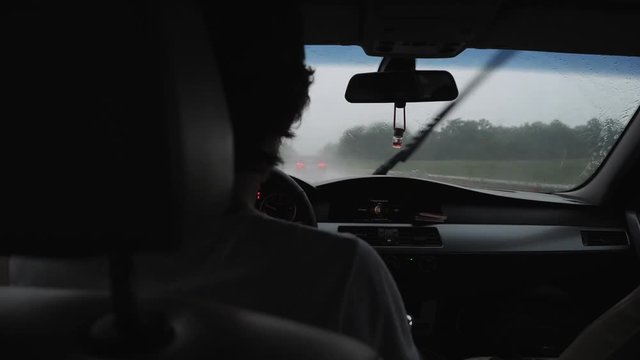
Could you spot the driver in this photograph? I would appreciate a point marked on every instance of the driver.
(328, 280)
(336, 282)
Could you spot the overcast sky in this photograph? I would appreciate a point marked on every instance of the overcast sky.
(532, 87)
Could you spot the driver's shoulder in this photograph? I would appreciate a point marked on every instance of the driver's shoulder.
(283, 233)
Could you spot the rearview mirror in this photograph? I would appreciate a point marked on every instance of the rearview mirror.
(401, 87)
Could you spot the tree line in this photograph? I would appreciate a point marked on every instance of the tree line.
(460, 139)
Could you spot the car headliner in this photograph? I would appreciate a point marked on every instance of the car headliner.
(444, 28)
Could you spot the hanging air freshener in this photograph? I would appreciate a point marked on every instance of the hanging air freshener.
(398, 132)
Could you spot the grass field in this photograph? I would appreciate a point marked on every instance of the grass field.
(519, 175)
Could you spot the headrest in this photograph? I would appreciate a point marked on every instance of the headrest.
(115, 134)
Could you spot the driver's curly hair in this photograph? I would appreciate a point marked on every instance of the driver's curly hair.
(261, 58)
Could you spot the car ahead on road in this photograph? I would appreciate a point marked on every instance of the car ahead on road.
(310, 168)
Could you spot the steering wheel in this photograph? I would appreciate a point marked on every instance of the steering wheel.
(281, 197)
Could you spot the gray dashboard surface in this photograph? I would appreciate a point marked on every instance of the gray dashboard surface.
(492, 238)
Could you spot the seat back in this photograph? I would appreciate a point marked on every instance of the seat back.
(55, 323)
(615, 335)
(116, 142)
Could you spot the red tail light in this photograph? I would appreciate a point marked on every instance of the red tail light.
(322, 165)
(299, 165)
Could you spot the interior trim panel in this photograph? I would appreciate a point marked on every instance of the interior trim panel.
(479, 238)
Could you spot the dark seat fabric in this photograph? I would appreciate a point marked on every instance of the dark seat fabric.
(86, 142)
(50, 323)
(117, 141)
(615, 335)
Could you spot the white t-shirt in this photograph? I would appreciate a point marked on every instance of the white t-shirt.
(332, 281)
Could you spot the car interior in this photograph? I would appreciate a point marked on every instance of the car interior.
(117, 142)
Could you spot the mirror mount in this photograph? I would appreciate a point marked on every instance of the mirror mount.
(397, 64)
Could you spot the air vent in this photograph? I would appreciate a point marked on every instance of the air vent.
(395, 236)
(604, 238)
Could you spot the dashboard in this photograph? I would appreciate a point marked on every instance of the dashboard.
(408, 215)
(415, 216)
(483, 271)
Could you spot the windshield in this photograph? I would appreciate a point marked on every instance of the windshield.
(543, 122)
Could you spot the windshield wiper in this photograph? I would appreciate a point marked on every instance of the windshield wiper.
(403, 155)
